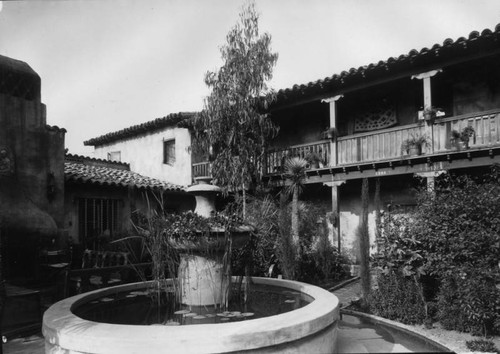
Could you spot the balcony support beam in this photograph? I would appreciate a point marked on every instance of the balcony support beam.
(430, 177)
(426, 80)
(332, 101)
(335, 211)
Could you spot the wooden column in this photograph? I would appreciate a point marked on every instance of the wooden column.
(431, 177)
(333, 124)
(335, 209)
(426, 80)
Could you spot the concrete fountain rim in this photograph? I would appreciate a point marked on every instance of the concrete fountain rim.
(61, 327)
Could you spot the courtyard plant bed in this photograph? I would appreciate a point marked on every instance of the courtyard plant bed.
(439, 264)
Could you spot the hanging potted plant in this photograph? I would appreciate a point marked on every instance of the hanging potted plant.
(430, 114)
(330, 133)
(413, 145)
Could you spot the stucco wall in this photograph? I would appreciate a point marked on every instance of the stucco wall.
(393, 190)
(144, 153)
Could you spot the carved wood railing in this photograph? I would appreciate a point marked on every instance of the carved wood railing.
(486, 126)
(201, 169)
(385, 144)
(374, 146)
(276, 158)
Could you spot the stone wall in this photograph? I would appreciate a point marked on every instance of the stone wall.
(31, 169)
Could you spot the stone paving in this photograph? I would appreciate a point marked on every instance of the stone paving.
(348, 293)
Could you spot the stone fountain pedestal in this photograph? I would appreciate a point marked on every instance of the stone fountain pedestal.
(202, 278)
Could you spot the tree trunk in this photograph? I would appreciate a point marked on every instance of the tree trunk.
(2, 291)
(295, 217)
(378, 207)
(364, 244)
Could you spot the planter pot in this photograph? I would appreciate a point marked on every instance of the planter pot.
(415, 151)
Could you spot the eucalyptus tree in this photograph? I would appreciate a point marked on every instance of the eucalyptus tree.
(232, 127)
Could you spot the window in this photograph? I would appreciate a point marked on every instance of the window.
(97, 217)
(169, 152)
(115, 156)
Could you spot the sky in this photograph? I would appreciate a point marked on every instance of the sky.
(109, 64)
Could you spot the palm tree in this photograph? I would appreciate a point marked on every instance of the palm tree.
(295, 171)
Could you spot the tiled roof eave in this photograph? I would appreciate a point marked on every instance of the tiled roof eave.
(487, 43)
(80, 173)
(144, 128)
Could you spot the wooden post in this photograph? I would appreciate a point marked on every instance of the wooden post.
(333, 124)
(336, 209)
(426, 80)
(431, 177)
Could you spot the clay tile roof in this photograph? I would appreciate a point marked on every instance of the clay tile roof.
(148, 127)
(486, 42)
(82, 169)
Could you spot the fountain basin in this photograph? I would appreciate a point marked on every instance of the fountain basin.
(312, 328)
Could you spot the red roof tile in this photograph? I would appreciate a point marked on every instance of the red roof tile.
(89, 172)
(439, 54)
(148, 127)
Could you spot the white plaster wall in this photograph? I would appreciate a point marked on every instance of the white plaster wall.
(144, 153)
(349, 223)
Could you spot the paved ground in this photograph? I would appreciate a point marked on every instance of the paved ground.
(348, 293)
(29, 345)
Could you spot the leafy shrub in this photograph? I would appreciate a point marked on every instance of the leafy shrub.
(326, 256)
(260, 253)
(469, 303)
(452, 240)
(397, 298)
(481, 345)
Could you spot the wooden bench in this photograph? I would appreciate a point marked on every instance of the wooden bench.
(101, 269)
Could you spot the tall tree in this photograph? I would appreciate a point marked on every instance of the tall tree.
(231, 126)
(364, 243)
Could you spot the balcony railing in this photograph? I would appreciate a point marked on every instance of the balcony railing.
(201, 169)
(386, 144)
(276, 158)
(486, 127)
(375, 146)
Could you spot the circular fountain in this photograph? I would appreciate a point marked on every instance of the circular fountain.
(311, 328)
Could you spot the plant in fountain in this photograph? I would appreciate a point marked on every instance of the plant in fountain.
(174, 241)
(231, 127)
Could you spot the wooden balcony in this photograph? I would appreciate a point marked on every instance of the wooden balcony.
(276, 158)
(200, 169)
(385, 145)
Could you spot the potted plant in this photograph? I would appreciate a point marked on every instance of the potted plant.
(430, 114)
(330, 133)
(413, 145)
(314, 159)
(461, 139)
